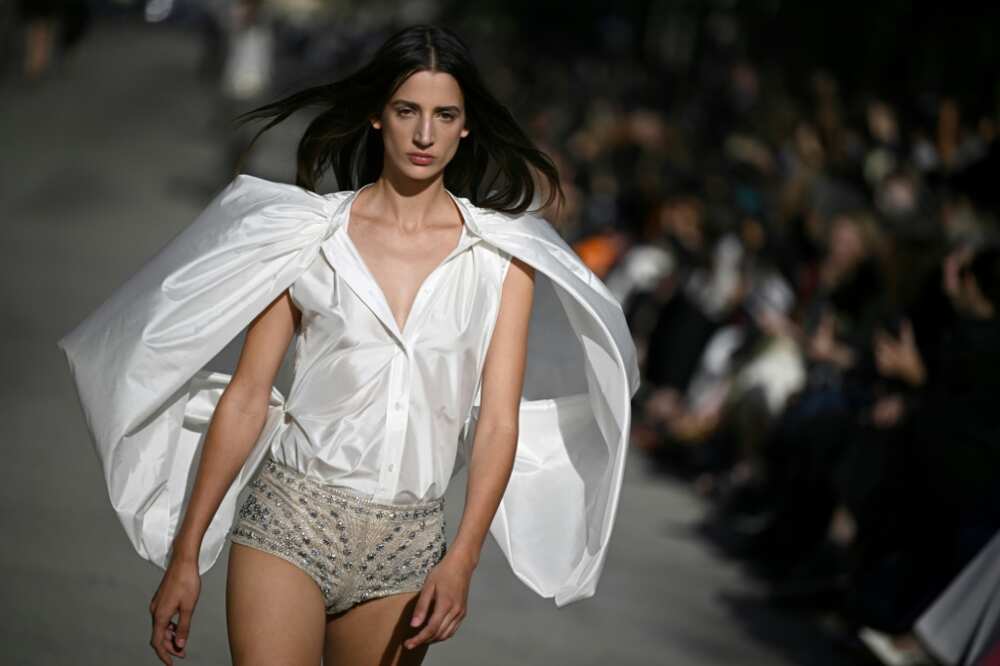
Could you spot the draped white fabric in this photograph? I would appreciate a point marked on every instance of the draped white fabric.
(139, 366)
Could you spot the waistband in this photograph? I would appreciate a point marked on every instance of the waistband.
(348, 497)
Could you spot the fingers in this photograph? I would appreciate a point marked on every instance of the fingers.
(429, 630)
(183, 627)
(446, 620)
(419, 613)
(442, 625)
(450, 626)
(170, 641)
(423, 603)
(444, 610)
(155, 641)
(885, 345)
(160, 641)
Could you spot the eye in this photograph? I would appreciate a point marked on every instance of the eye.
(404, 111)
(448, 116)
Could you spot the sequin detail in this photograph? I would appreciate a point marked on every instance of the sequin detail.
(353, 547)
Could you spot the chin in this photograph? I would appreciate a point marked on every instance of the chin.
(419, 173)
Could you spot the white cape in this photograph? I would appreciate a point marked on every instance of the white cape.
(138, 362)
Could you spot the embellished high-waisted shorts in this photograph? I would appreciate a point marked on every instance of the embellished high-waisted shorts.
(355, 548)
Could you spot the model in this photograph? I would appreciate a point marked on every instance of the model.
(438, 323)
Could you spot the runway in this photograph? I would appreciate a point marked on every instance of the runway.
(102, 164)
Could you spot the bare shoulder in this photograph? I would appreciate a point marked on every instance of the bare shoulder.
(518, 283)
(522, 268)
(503, 372)
(517, 291)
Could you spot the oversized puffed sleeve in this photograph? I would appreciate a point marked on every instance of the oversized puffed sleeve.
(555, 520)
(138, 361)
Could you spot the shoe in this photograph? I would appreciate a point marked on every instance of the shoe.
(882, 647)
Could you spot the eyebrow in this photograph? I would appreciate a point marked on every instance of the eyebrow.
(437, 108)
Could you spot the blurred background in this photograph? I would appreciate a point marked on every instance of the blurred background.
(796, 204)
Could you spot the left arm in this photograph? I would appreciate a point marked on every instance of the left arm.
(491, 462)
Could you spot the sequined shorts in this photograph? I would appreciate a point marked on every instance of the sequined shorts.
(355, 548)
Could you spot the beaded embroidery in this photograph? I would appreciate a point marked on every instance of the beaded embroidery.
(335, 524)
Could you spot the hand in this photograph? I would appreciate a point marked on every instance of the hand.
(899, 358)
(663, 404)
(177, 594)
(887, 411)
(693, 426)
(447, 585)
(824, 346)
(822, 341)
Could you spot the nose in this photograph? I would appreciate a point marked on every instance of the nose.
(424, 136)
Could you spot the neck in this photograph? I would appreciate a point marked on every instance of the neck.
(409, 204)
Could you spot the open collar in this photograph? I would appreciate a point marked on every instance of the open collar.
(345, 259)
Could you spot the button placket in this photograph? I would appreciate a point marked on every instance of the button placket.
(396, 416)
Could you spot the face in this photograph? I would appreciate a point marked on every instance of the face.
(847, 245)
(425, 116)
(682, 218)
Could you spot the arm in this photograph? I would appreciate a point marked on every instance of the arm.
(491, 462)
(236, 424)
(237, 421)
(496, 429)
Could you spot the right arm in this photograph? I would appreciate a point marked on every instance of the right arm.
(237, 422)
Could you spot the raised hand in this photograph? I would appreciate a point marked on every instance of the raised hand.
(899, 357)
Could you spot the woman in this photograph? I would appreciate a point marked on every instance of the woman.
(430, 331)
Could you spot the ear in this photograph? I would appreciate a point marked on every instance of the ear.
(464, 133)
(375, 121)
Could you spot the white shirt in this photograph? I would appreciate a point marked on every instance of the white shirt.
(140, 363)
(378, 409)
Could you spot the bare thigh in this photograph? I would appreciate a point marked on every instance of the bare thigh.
(274, 610)
(372, 634)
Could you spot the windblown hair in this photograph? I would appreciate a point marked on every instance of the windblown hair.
(493, 164)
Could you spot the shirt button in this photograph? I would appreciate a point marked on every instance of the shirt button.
(398, 405)
(391, 467)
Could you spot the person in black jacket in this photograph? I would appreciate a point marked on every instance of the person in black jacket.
(936, 502)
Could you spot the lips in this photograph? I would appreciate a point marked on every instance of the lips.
(420, 158)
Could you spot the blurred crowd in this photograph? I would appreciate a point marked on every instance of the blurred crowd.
(813, 280)
(45, 30)
(810, 269)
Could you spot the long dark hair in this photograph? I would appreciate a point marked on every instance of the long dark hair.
(492, 166)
